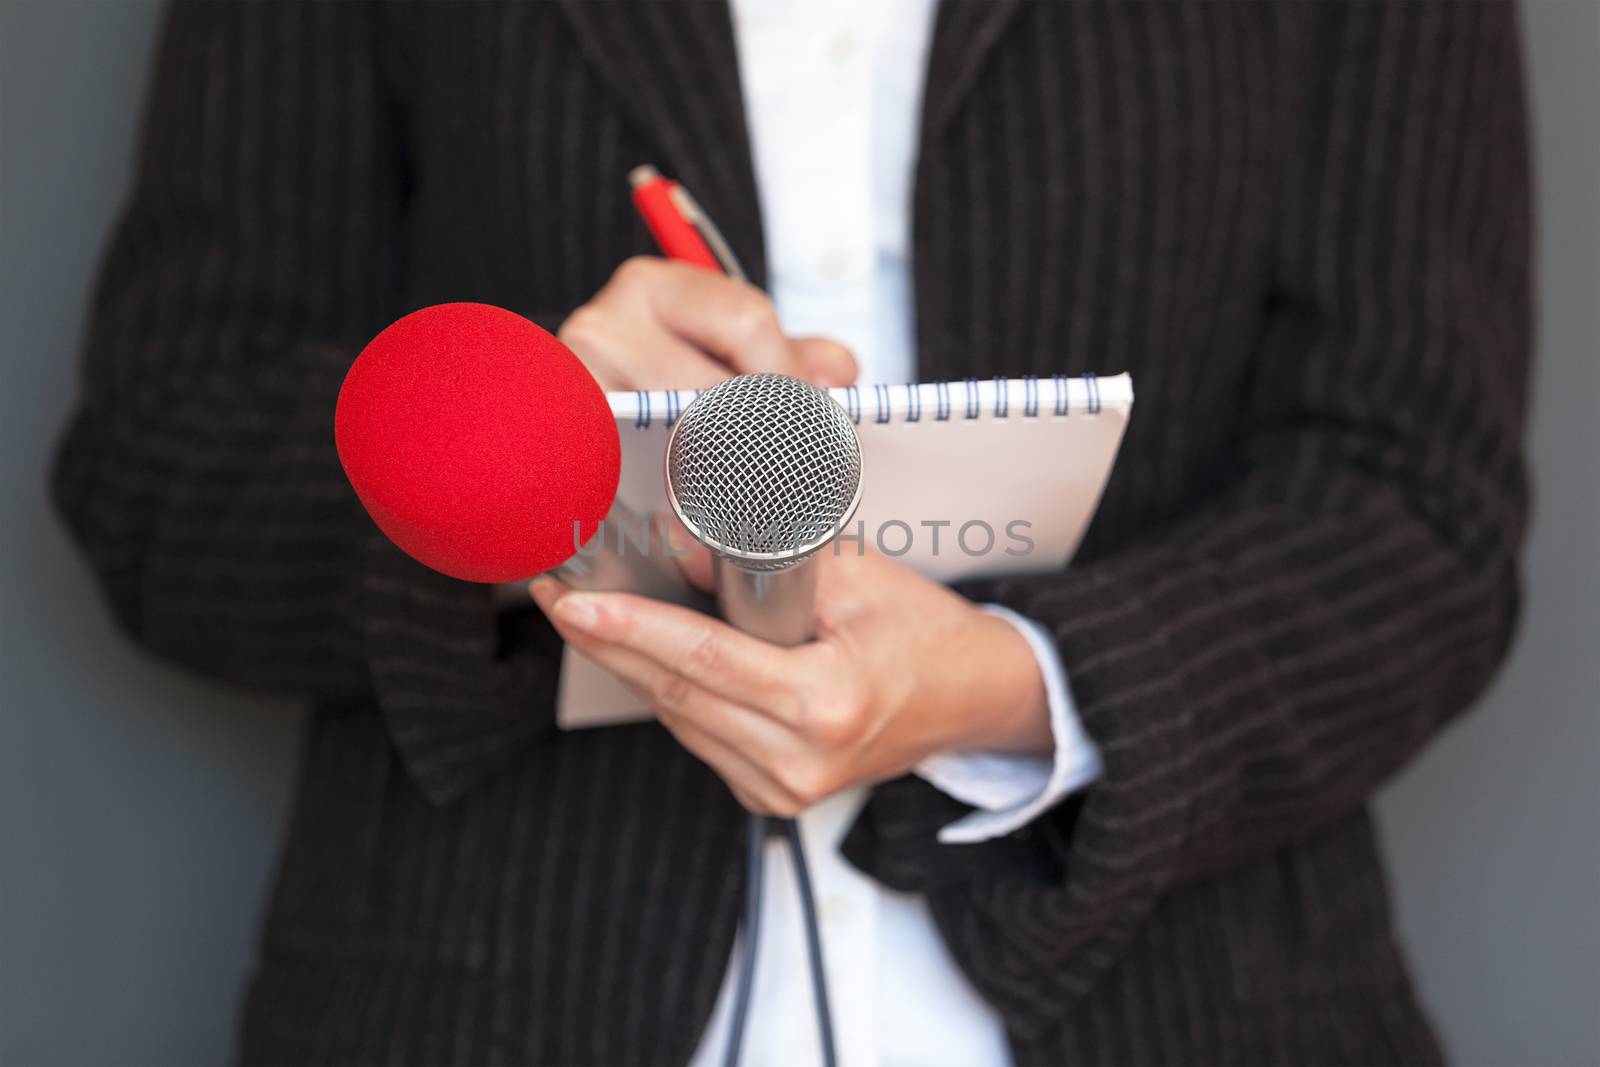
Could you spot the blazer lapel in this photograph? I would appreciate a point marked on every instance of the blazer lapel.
(674, 69)
(963, 36)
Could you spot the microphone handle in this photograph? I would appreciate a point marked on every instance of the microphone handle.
(626, 556)
(776, 606)
(780, 607)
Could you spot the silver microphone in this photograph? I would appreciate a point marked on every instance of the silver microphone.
(764, 470)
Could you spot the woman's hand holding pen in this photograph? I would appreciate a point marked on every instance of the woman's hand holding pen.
(659, 324)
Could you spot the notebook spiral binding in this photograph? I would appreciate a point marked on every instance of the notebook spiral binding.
(1059, 396)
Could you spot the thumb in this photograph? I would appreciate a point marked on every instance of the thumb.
(822, 361)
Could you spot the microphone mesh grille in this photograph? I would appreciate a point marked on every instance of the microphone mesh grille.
(764, 468)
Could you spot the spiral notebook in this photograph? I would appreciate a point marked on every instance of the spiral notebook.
(960, 480)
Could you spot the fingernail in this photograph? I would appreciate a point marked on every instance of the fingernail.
(542, 587)
(577, 611)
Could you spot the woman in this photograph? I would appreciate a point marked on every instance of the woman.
(1302, 228)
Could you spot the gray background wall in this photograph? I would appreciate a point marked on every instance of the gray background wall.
(139, 809)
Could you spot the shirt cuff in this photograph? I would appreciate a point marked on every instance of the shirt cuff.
(1010, 790)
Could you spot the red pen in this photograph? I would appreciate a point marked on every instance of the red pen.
(680, 226)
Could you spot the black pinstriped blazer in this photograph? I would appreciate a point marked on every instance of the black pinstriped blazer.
(1302, 227)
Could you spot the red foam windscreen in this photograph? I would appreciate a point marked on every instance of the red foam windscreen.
(476, 440)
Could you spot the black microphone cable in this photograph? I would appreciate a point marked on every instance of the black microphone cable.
(755, 866)
(760, 827)
(808, 907)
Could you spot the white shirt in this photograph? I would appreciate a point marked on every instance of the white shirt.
(833, 93)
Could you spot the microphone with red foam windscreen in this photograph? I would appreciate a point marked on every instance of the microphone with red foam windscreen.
(478, 442)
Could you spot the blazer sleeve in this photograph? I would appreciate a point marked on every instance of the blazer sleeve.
(261, 247)
(1255, 670)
